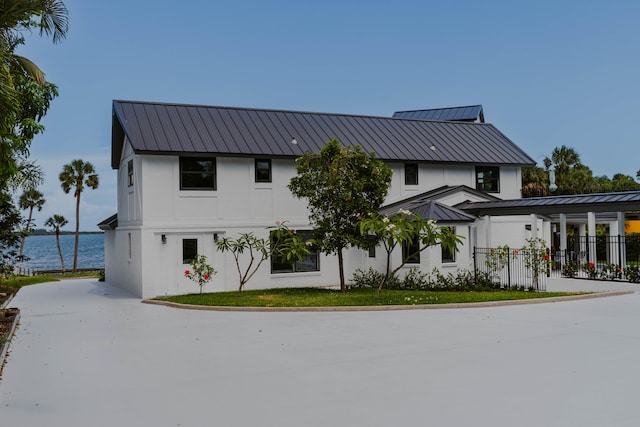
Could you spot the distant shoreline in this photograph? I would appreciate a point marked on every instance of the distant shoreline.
(40, 232)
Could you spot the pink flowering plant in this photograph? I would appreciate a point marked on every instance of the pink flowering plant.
(200, 271)
(536, 259)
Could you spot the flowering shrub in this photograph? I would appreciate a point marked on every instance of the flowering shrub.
(200, 272)
(570, 269)
(591, 270)
(632, 274)
(536, 258)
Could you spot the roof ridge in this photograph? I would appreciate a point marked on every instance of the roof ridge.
(442, 108)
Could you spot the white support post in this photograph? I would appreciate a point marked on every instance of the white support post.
(622, 240)
(591, 223)
(534, 225)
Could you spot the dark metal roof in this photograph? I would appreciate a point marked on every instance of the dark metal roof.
(157, 128)
(110, 223)
(429, 209)
(470, 113)
(549, 205)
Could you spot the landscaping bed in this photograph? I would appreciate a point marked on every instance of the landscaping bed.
(8, 320)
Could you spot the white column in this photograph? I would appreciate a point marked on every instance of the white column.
(487, 230)
(582, 233)
(622, 237)
(591, 223)
(563, 232)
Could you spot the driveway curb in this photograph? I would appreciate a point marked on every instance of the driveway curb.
(392, 307)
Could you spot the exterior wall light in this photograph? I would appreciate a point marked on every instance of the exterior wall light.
(164, 239)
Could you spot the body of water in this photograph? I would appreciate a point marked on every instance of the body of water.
(42, 252)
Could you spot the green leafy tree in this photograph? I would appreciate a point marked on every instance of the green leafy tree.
(200, 272)
(341, 184)
(402, 228)
(56, 222)
(30, 199)
(10, 224)
(75, 176)
(24, 93)
(282, 242)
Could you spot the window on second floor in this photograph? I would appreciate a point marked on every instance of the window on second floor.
(197, 173)
(411, 252)
(488, 179)
(130, 173)
(410, 174)
(263, 170)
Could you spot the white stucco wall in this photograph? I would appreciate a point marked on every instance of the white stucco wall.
(155, 206)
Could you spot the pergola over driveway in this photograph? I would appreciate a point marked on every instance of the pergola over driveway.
(578, 209)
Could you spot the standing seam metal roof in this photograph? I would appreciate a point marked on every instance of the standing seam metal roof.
(158, 128)
(469, 113)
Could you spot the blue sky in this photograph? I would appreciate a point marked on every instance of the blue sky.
(548, 73)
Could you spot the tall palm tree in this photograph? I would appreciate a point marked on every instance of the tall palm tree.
(31, 199)
(56, 222)
(76, 175)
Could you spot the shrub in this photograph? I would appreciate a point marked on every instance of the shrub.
(101, 275)
(372, 279)
(570, 269)
(632, 274)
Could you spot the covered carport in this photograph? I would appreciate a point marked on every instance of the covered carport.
(584, 211)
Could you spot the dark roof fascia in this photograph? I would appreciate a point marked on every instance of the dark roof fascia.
(110, 223)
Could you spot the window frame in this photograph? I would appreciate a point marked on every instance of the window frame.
(213, 172)
(490, 184)
(448, 256)
(269, 170)
(409, 248)
(130, 173)
(411, 170)
(297, 266)
(185, 259)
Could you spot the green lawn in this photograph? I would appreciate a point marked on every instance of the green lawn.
(312, 297)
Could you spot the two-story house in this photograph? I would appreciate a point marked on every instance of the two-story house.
(190, 174)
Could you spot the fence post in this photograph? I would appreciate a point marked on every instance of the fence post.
(509, 267)
(475, 267)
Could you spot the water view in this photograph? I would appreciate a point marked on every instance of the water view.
(42, 252)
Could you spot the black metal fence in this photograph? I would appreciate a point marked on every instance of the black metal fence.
(513, 268)
(598, 257)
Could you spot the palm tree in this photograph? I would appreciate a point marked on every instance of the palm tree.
(31, 199)
(16, 16)
(75, 176)
(56, 222)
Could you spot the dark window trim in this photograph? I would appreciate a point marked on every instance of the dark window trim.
(259, 179)
(187, 259)
(409, 248)
(214, 172)
(493, 182)
(448, 256)
(130, 173)
(413, 174)
(297, 266)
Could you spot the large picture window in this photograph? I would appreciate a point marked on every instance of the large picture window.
(197, 173)
(488, 179)
(308, 263)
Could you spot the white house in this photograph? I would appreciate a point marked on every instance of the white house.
(189, 174)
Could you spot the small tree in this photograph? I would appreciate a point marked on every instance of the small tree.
(200, 272)
(402, 228)
(56, 222)
(283, 242)
(341, 184)
(536, 258)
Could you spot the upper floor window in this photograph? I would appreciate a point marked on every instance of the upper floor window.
(130, 173)
(411, 251)
(449, 255)
(197, 173)
(488, 179)
(263, 170)
(310, 262)
(410, 174)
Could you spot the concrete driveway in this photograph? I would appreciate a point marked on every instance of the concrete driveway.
(88, 354)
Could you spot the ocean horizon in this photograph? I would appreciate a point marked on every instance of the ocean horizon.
(41, 251)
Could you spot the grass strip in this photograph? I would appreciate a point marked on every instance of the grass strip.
(314, 297)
